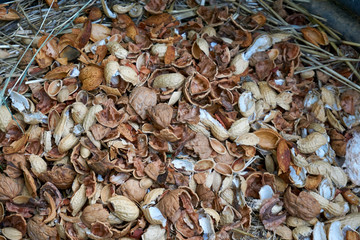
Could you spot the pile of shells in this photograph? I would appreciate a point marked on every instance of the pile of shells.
(156, 128)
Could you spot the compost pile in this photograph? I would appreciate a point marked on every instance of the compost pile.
(211, 125)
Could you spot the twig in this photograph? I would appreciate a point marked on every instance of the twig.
(245, 233)
(33, 28)
(59, 29)
(341, 78)
(347, 62)
(351, 43)
(2, 94)
(305, 69)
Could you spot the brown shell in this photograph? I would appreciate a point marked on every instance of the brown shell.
(315, 36)
(217, 146)
(223, 169)
(268, 138)
(91, 77)
(204, 165)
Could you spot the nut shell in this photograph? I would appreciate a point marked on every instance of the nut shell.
(304, 206)
(311, 143)
(117, 50)
(5, 118)
(124, 208)
(91, 77)
(238, 128)
(129, 75)
(169, 80)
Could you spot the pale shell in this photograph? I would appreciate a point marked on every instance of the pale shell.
(302, 232)
(319, 168)
(63, 95)
(284, 232)
(329, 95)
(124, 208)
(152, 232)
(240, 64)
(117, 50)
(253, 88)
(90, 118)
(216, 128)
(78, 112)
(122, 9)
(338, 176)
(111, 70)
(261, 43)
(317, 127)
(210, 31)
(213, 213)
(248, 139)
(318, 110)
(298, 159)
(327, 189)
(175, 97)
(292, 221)
(159, 50)
(246, 104)
(169, 80)
(284, 100)
(151, 196)
(38, 165)
(78, 200)
(107, 10)
(129, 75)
(84, 152)
(5, 118)
(311, 143)
(11, 233)
(238, 128)
(154, 216)
(333, 121)
(199, 128)
(199, 45)
(146, 183)
(334, 231)
(268, 93)
(136, 11)
(228, 195)
(307, 74)
(67, 143)
(336, 209)
(227, 215)
(54, 88)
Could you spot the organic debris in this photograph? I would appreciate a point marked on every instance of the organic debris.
(172, 120)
